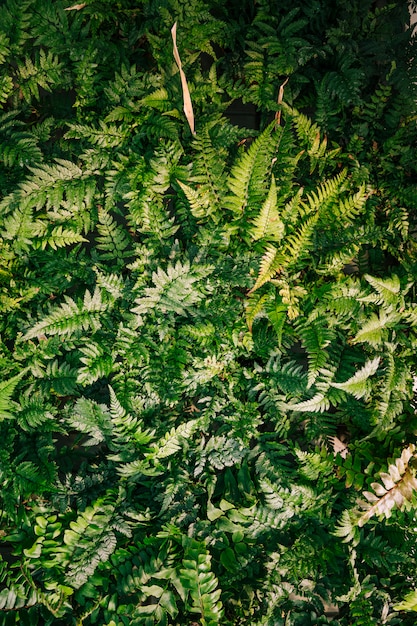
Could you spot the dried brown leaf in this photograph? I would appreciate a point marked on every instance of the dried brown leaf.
(76, 7)
(188, 106)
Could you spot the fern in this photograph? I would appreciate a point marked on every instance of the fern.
(200, 584)
(71, 317)
(248, 175)
(91, 418)
(409, 603)
(399, 484)
(90, 541)
(97, 364)
(174, 290)
(268, 225)
(7, 388)
(358, 384)
(194, 326)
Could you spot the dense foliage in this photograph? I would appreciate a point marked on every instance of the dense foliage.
(208, 339)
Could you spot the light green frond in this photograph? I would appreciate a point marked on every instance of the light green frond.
(198, 199)
(91, 419)
(375, 330)
(318, 404)
(71, 317)
(246, 179)
(98, 363)
(267, 225)
(298, 244)
(59, 237)
(176, 290)
(347, 528)
(200, 583)
(409, 603)
(255, 306)
(358, 385)
(90, 540)
(112, 240)
(270, 265)
(388, 289)
(326, 193)
(315, 337)
(353, 205)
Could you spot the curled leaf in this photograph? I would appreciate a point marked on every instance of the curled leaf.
(188, 106)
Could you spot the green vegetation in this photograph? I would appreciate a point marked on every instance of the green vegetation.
(208, 339)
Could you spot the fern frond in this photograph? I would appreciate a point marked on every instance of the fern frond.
(409, 603)
(200, 583)
(43, 72)
(375, 330)
(71, 317)
(18, 227)
(388, 289)
(268, 225)
(209, 176)
(7, 387)
(398, 489)
(98, 363)
(91, 419)
(49, 185)
(59, 378)
(33, 413)
(246, 179)
(112, 240)
(176, 289)
(59, 237)
(105, 136)
(315, 336)
(347, 528)
(349, 208)
(255, 306)
(318, 404)
(199, 201)
(90, 540)
(358, 384)
(271, 263)
(173, 440)
(299, 243)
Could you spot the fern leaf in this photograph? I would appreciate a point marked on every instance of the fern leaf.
(318, 404)
(398, 489)
(271, 263)
(59, 238)
(33, 413)
(112, 239)
(7, 388)
(268, 225)
(374, 331)
(71, 317)
(408, 604)
(91, 419)
(255, 306)
(358, 384)
(199, 201)
(176, 289)
(173, 440)
(388, 288)
(98, 363)
(315, 336)
(347, 528)
(299, 243)
(247, 177)
(200, 583)
(89, 541)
